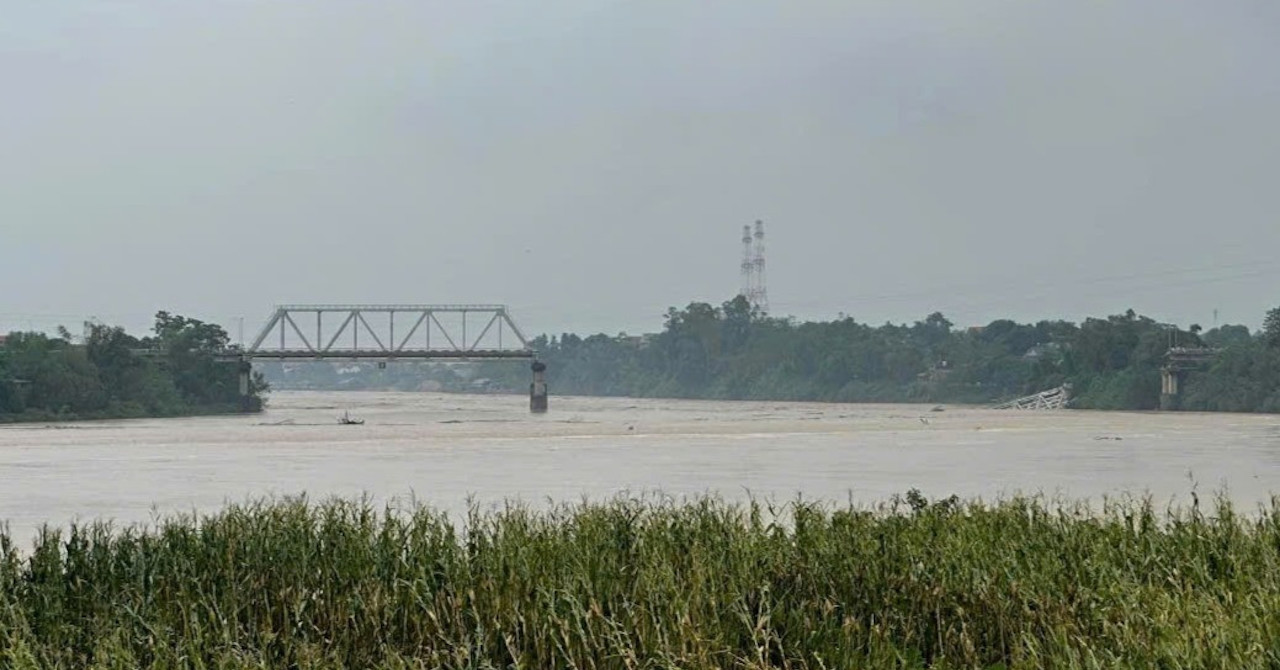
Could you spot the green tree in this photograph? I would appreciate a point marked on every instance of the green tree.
(134, 384)
(106, 376)
(1227, 336)
(190, 348)
(59, 378)
(1271, 328)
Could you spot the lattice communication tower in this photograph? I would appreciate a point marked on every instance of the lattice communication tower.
(753, 271)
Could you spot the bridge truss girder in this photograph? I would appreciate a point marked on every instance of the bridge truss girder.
(303, 333)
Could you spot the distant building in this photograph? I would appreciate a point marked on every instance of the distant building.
(1042, 351)
(938, 373)
(637, 341)
(3, 339)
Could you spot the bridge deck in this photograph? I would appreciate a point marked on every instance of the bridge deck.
(373, 354)
(1182, 359)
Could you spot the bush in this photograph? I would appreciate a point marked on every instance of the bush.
(653, 583)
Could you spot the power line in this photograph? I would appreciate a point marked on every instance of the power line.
(1129, 291)
(1002, 287)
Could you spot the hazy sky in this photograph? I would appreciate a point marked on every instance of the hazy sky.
(591, 163)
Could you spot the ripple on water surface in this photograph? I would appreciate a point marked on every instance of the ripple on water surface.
(443, 448)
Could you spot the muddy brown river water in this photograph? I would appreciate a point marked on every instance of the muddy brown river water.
(444, 449)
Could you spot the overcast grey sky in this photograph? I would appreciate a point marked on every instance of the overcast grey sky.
(591, 163)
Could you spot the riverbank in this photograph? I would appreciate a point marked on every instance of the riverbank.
(44, 416)
(109, 374)
(701, 584)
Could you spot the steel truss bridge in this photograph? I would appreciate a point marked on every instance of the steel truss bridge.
(388, 332)
(391, 332)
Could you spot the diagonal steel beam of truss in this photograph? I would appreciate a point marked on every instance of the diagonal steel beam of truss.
(388, 343)
(412, 331)
(369, 329)
(266, 330)
(444, 331)
(506, 316)
(480, 337)
(297, 330)
(341, 329)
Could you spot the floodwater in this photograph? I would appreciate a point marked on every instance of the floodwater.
(444, 449)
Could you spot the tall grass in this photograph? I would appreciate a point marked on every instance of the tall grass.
(653, 584)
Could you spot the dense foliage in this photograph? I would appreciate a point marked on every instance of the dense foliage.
(107, 375)
(649, 584)
(733, 352)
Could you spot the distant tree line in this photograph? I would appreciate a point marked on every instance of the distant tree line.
(735, 352)
(403, 375)
(111, 374)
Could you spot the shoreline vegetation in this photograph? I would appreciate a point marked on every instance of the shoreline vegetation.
(734, 352)
(730, 352)
(105, 375)
(119, 414)
(650, 582)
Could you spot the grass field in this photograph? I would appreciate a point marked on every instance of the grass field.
(653, 584)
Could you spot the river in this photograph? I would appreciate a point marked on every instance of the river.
(442, 449)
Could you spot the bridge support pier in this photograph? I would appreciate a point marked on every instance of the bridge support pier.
(245, 369)
(538, 389)
(1170, 388)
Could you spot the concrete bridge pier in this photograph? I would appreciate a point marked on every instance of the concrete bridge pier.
(1179, 362)
(538, 389)
(1170, 388)
(245, 368)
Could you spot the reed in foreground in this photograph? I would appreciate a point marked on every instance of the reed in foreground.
(652, 584)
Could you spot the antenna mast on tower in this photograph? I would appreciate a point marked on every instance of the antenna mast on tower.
(753, 275)
(762, 293)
